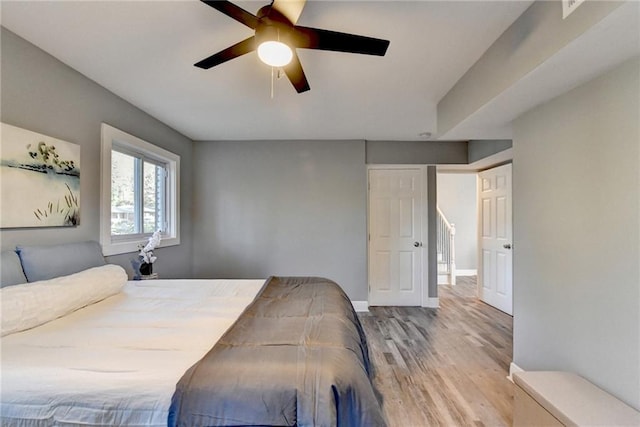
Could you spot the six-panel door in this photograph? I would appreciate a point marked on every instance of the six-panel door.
(395, 232)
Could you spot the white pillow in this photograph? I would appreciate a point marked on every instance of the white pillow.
(31, 304)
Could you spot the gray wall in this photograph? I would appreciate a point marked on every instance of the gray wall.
(41, 94)
(457, 200)
(432, 221)
(479, 149)
(417, 152)
(282, 208)
(576, 209)
(538, 34)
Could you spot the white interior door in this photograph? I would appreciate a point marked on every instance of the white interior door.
(395, 236)
(495, 285)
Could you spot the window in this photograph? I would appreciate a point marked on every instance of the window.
(139, 192)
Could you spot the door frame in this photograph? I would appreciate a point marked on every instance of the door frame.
(425, 301)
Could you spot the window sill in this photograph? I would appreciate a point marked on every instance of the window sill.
(117, 248)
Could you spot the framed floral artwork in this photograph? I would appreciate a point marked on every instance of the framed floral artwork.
(39, 180)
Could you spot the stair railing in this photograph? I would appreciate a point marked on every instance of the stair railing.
(446, 246)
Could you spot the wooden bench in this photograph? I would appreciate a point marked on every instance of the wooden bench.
(565, 399)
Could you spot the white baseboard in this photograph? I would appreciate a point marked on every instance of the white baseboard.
(361, 306)
(443, 279)
(512, 369)
(466, 272)
(432, 303)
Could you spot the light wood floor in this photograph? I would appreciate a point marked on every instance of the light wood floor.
(445, 366)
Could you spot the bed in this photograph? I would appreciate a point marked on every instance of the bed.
(281, 351)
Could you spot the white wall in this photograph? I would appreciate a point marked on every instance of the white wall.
(457, 200)
(576, 195)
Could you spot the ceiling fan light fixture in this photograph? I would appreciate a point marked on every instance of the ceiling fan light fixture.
(275, 53)
(277, 34)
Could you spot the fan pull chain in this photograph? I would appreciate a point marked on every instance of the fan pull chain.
(275, 74)
(272, 82)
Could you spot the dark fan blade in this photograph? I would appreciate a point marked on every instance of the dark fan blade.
(238, 49)
(235, 12)
(315, 38)
(295, 73)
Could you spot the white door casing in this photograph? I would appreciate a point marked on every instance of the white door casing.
(495, 278)
(396, 264)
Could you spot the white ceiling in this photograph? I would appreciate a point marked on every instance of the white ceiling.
(144, 52)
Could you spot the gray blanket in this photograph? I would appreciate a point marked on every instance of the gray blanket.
(297, 356)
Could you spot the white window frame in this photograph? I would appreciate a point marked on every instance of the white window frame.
(113, 245)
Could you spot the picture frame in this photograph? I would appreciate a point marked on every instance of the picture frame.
(39, 180)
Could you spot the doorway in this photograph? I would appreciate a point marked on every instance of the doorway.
(477, 206)
(457, 248)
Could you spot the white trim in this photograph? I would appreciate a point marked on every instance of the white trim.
(472, 272)
(432, 302)
(109, 134)
(513, 368)
(361, 306)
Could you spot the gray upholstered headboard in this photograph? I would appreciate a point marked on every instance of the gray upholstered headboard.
(33, 263)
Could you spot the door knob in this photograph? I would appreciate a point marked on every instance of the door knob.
(507, 246)
(417, 244)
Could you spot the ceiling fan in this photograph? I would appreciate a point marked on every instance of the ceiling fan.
(277, 36)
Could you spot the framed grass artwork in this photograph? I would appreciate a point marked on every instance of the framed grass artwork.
(39, 180)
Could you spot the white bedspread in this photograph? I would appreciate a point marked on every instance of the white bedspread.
(117, 362)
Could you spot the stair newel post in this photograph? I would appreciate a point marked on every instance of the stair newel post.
(452, 251)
